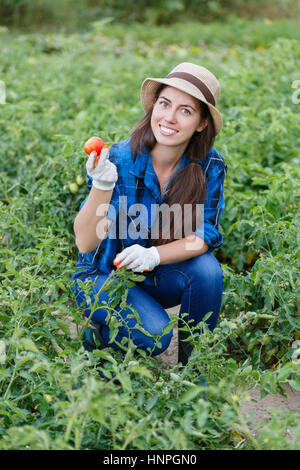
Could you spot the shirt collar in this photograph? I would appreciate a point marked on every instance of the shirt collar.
(143, 168)
(143, 165)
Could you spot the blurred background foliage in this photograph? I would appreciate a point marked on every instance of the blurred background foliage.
(74, 14)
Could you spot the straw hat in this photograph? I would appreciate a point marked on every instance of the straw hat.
(195, 80)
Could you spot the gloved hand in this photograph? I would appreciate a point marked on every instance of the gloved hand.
(138, 258)
(105, 174)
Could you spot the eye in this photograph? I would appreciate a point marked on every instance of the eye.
(186, 111)
(163, 103)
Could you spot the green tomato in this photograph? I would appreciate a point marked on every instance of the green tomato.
(73, 187)
(79, 180)
(251, 344)
(266, 340)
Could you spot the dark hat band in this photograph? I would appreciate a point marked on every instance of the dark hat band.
(197, 83)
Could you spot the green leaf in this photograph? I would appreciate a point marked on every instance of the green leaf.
(142, 371)
(29, 345)
(295, 384)
(63, 326)
(167, 328)
(22, 361)
(104, 354)
(152, 402)
(142, 330)
(134, 412)
(190, 394)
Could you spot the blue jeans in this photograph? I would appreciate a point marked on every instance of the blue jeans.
(196, 284)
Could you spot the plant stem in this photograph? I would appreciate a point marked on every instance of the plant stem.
(69, 426)
(11, 379)
(92, 312)
(245, 428)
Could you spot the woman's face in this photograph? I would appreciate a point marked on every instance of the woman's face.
(175, 117)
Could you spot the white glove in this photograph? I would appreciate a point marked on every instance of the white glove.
(138, 258)
(105, 174)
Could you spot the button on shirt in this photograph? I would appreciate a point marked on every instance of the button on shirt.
(137, 193)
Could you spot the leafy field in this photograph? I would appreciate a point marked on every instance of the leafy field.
(62, 89)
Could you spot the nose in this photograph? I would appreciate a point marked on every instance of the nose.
(171, 115)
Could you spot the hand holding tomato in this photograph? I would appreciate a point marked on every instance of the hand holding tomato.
(99, 168)
(94, 144)
(137, 258)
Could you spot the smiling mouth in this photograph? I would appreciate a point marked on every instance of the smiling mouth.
(167, 131)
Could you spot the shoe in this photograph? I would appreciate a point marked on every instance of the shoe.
(92, 338)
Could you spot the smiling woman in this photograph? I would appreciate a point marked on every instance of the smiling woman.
(174, 123)
(181, 118)
(168, 161)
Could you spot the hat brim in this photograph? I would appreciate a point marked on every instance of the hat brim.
(150, 86)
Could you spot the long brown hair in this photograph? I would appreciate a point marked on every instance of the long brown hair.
(188, 186)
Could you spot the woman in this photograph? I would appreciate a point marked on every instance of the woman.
(169, 161)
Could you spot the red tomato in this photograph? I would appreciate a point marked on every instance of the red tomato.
(94, 144)
(117, 265)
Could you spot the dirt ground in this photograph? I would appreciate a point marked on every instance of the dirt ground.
(257, 408)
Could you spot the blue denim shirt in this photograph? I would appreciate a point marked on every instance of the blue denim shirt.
(138, 184)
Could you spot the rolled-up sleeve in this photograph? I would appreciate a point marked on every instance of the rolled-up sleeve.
(214, 205)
